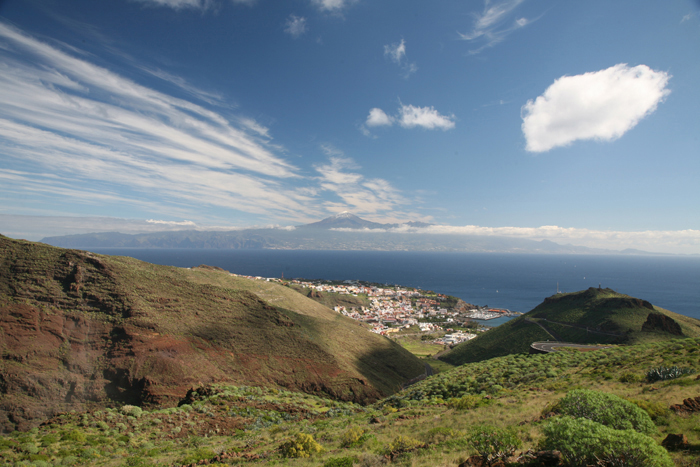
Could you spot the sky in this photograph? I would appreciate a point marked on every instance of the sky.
(576, 122)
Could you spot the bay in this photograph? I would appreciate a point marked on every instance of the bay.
(518, 282)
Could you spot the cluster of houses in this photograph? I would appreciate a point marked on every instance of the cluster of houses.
(392, 309)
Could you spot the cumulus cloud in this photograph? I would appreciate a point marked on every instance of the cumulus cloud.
(377, 117)
(494, 24)
(409, 116)
(295, 26)
(601, 105)
(425, 117)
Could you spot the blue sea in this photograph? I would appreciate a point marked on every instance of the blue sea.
(512, 281)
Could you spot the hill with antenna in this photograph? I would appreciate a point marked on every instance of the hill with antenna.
(592, 316)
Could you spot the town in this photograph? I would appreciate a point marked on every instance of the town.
(388, 310)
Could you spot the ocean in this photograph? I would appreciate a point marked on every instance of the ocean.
(518, 282)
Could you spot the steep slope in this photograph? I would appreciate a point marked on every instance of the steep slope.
(593, 316)
(79, 329)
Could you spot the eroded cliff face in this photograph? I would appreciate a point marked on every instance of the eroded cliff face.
(81, 331)
(51, 362)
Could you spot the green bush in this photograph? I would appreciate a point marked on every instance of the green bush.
(492, 442)
(465, 402)
(656, 410)
(606, 409)
(74, 435)
(302, 445)
(132, 411)
(404, 444)
(629, 378)
(584, 442)
(354, 436)
(341, 462)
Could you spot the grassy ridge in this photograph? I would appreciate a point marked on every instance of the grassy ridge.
(81, 328)
(593, 316)
(427, 424)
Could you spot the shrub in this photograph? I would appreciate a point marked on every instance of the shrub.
(341, 462)
(198, 455)
(465, 402)
(74, 435)
(132, 411)
(404, 444)
(439, 434)
(606, 409)
(584, 442)
(663, 373)
(629, 378)
(655, 410)
(493, 443)
(302, 445)
(354, 436)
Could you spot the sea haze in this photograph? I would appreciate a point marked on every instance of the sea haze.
(513, 281)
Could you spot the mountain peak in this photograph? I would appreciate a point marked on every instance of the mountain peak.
(344, 220)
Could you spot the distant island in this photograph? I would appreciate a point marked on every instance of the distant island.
(343, 231)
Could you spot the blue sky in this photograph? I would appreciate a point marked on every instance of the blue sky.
(572, 121)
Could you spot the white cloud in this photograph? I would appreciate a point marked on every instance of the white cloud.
(396, 52)
(330, 5)
(657, 241)
(179, 4)
(425, 117)
(491, 26)
(601, 105)
(355, 193)
(172, 223)
(73, 132)
(377, 117)
(409, 116)
(295, 26)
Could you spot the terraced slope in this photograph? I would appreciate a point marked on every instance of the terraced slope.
(593, 316)
(80, 330)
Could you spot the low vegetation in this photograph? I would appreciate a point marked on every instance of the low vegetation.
(610, 407)
(495, 409)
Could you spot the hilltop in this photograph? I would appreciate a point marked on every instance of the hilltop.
(593, 316)
(81, 330)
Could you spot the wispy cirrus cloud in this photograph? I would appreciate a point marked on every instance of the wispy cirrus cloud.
(601, 105)
(493, 24)
(75, 132)
(179, 4)
(355, 193)
(190, 4)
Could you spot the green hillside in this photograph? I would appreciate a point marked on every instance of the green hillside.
(593, 316)
(80, 330)
(437, 422)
